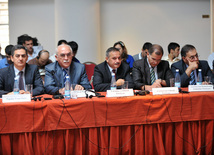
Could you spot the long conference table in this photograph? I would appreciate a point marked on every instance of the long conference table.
(151, 124)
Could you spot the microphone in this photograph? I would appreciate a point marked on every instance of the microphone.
(96, 94)
(57, 95)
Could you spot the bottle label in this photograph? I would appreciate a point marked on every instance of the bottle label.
(177, 84)
(199, 83)
(67, 93)
(113, 87)
(15, 92)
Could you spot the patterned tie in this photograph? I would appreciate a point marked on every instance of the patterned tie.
(65, 74)
(21, 82)
(152, 75)
(114, 71)
(192, 77)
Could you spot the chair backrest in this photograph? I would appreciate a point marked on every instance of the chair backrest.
(89, 67)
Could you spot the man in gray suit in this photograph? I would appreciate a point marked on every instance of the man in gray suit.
(55, 72)
(27, 74)
(151, 71)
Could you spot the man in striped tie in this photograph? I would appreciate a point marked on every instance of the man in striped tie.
(151, 72)
(189, 65)
(56, 72)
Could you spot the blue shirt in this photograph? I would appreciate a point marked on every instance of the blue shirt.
(4, 63)
(130, 61)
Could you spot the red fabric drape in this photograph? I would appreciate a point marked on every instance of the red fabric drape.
(162, 124)
(167, 138)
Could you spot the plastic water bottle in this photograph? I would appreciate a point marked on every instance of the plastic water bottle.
(199, 77)
(113, 82)
(177, 79)
(16, 86)
(67, 94)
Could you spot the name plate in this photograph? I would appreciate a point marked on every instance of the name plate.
(120, 93)
(82, 93)
(195, 88)
(16, 98)
(165, 90)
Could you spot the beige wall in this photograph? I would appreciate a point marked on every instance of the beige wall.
(97, 24)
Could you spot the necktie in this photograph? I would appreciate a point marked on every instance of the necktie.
(65, 74)
(114, 71)
(192, 77)
(152, 75)
(21, 82)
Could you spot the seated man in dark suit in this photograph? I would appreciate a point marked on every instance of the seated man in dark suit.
(151, 72)
(55, 72)
(189, 65)
(103, 72)
(27, 74)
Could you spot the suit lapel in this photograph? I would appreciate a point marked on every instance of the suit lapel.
(108, 72)
(27, 75)
(10, 77)
(59, 75)
(147, 71)
(72, 70)
(159, 70)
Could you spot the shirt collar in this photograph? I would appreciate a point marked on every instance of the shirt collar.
(111, 68)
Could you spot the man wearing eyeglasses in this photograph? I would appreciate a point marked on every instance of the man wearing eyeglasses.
(151, 72)
(25, 73)
(55, 72)
(189, 65)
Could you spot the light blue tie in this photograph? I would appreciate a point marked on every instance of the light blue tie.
(192, 77)
(152, 75)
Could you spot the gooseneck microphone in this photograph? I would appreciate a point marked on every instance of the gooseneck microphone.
(57, 95)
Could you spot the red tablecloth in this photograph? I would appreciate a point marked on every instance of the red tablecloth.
(159, 124)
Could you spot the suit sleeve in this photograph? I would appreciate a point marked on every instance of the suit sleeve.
(208, 72)
(128, 78)
(38, 87)
(51, 87)
(98, 82)
(2, 82)
(136, 74)
(168, 74)
(184, 78)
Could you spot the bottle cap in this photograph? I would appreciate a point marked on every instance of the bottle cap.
(177, 70)
(199, 69)
(67, 76)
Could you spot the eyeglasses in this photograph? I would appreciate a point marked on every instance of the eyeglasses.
(63, 55)
(194, 57)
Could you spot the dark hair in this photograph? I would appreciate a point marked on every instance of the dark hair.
(74, 46)
(60, 42)
(40, 53)
(147, 46)
(8, 49)
(35, 41)
(17, 47)
(124, 55)
(111, 49)
(173, 46)
(186, 49)
(154, 47)
(21, 39)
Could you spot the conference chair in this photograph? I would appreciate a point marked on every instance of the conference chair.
(89, 67)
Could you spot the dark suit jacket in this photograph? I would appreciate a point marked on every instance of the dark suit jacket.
(102, 76)
(141, 72)
(32, 76)
(203, 65)
(77, 76)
